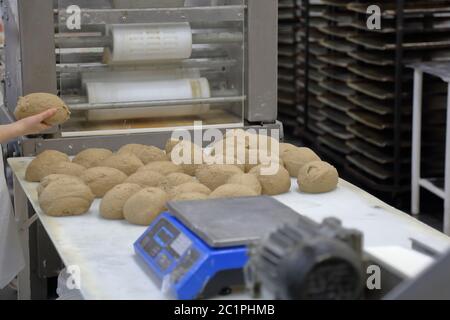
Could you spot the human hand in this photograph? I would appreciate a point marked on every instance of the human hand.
(34, 124)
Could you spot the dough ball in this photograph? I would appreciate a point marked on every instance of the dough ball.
(216, 175)
(93, 157)
(162, 167)
(170, 144)
(284, 147)
(190, 196)
(36, 103)
(188, 155)
(191, 187)
(42, 165)
(175, 179)
(233, 191)
(60, 199)
(145, 153)
(62, 178)
(103, 179)
(223, 159)
(112, 204)
(294, 160)
(273, 184)
(263, 142)
(128, 163)
(146, 179)
(145, 206)
(254, 158)
(248, 180)
(67, 168)
(318, 177)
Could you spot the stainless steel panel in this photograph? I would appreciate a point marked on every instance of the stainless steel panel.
(262, 72)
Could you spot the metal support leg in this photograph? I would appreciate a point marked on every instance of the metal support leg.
(21, 211)
(447, 170)
(417, 142)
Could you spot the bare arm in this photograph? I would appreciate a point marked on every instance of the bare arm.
(30, 125)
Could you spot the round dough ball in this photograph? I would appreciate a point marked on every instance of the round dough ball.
(128, 163)
(275, 184)
(232, 191)
(145, 206)
(170, 144)
(248, 180)
(189, 162)
(112, 204)
(42, 165)
(162, 167)
(36, 103)
(223, 159)
(103, 179)
(191, 187)
(67, 168)
(145, 153)
(284, 147)
(190, 196)
(254, 158)
(175, 179)
(60, 199)
(216, 175)
(294, 160)
(62, 178)
(318, 177)
(93, 157)
(146, 179)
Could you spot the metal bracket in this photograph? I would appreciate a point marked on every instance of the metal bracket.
(28, 223)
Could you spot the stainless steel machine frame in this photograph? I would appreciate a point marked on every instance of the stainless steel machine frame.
(30, 66)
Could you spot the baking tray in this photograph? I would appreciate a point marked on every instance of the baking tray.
(335, 130)
(338, 32)
(341, 19)
(370, 167)
(317, 49)
(373, 120)
(336, 59)
(316, 63)
(336, 116)
(315, 88)
(380, 42)
(338, 73)
(336, 102)
(436, 24)
(337, 87)
(379, 107)
(386, 74)
(342, 46)
(314, 127)
(316, 114)
(379, 155)
(317, 76)
(381, 139)
(410, 7)
(374, 90)
(337, 145)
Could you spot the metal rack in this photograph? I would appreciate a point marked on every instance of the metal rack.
(364, 91)
(290, 67)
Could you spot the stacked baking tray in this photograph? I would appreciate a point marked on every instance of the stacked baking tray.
(290, 67)
(311, 43)
(356, 85)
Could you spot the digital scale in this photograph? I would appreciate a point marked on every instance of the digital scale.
(198, 249)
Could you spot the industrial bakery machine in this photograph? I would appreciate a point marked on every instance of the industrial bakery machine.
(134, 71)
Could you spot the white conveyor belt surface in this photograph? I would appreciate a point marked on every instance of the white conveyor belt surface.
(110, 270)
